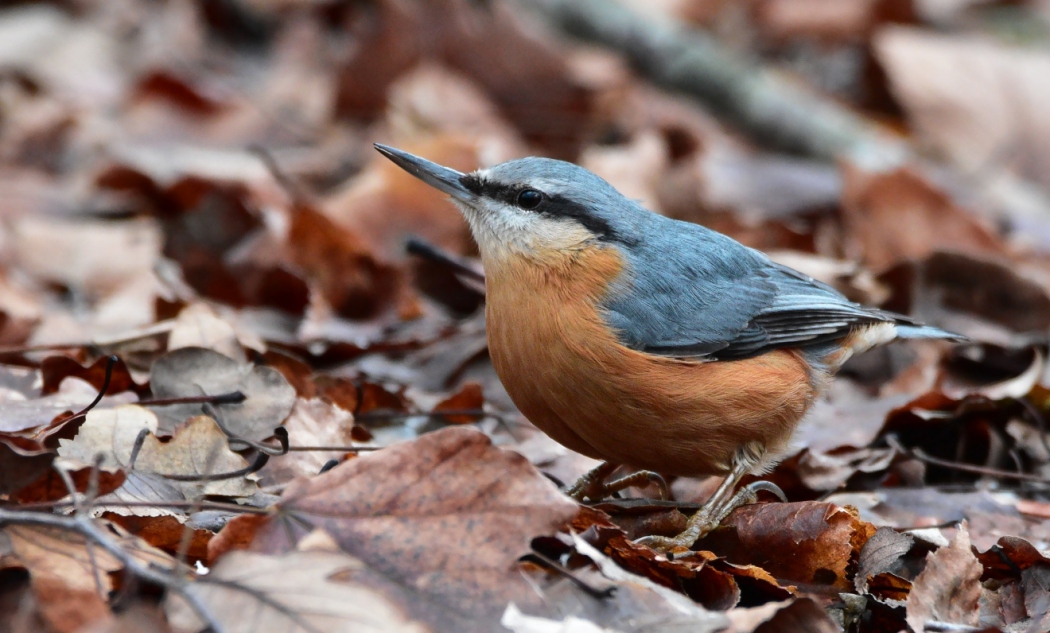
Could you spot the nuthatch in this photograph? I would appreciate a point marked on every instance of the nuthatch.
(645, 341)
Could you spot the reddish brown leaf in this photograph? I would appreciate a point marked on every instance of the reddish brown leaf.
(468, 397)
(808, 543)
(898, 216)
(55, 369)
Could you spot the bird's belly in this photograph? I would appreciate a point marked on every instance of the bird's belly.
(572, 379)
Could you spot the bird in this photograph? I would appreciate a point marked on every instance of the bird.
(648, 342)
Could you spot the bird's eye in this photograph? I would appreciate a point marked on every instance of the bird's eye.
(529, 199)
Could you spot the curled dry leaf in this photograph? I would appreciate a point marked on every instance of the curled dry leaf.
(296, 592)
(195, 372)
(444, 518)
(809, 542)
(949, 588)
(882, 553)
(55, 369)
(796, 616)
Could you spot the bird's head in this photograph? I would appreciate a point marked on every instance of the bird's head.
(531, 207)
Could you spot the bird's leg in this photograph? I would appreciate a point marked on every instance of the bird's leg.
(640, 479)
(719, 506)
(592, 484)
(593, 487)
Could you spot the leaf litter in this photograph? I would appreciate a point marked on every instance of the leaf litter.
(305, 406)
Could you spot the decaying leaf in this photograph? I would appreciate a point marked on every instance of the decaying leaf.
(444, 517)
(948, 589)
(195, 372)
(809, 542)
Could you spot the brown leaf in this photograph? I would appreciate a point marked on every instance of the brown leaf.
(468, 397)
(55, 369)
(71, 583)
(810, 542)
(898, 216)
(447, 506)
(195, 372)
(797, 616)
(384, 204)
(345, 269)
(295, 592)
(948, 589)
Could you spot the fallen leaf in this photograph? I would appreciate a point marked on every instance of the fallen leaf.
(55, 369)
(313, 422)
(898, 216)
(199, 326)
(949, 588)
(444, 517)
(809, 542)
(295, 592)
(198, 449)
(110, 433)
(882, 553)
(70, 581)
(195, 372)
(79, 254)
(978, 101)
(801, 615)
(468, 397)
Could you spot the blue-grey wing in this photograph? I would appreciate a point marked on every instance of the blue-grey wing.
(708, 296)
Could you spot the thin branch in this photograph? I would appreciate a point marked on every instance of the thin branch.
(89, 529)
(177, 505)
(919, 454)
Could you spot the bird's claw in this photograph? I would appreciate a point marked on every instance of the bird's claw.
(708, 518)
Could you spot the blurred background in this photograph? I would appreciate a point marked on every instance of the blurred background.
(208, 164)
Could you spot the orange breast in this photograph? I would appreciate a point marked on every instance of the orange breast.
(571, 377)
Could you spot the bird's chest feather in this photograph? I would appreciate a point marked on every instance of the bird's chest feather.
(568, 373)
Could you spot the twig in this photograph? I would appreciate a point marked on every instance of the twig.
(88, 528)
(919, 454)
(426, 250)
(234, 397)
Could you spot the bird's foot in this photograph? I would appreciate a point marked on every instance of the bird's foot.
(709, 517)
(592, 486)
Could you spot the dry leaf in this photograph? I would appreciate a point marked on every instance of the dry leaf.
(313, 422)
(297, 592)
(809, 542)
(195, 372)
(110, 433)
(949, 588)
(199, 326)
(444, 517)
(898, 216)
(199, 448)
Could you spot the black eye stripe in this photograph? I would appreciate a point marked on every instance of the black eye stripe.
(551, 205)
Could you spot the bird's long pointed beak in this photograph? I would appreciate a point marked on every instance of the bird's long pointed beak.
(437, 176)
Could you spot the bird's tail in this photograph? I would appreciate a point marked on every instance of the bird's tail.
(928, 331)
